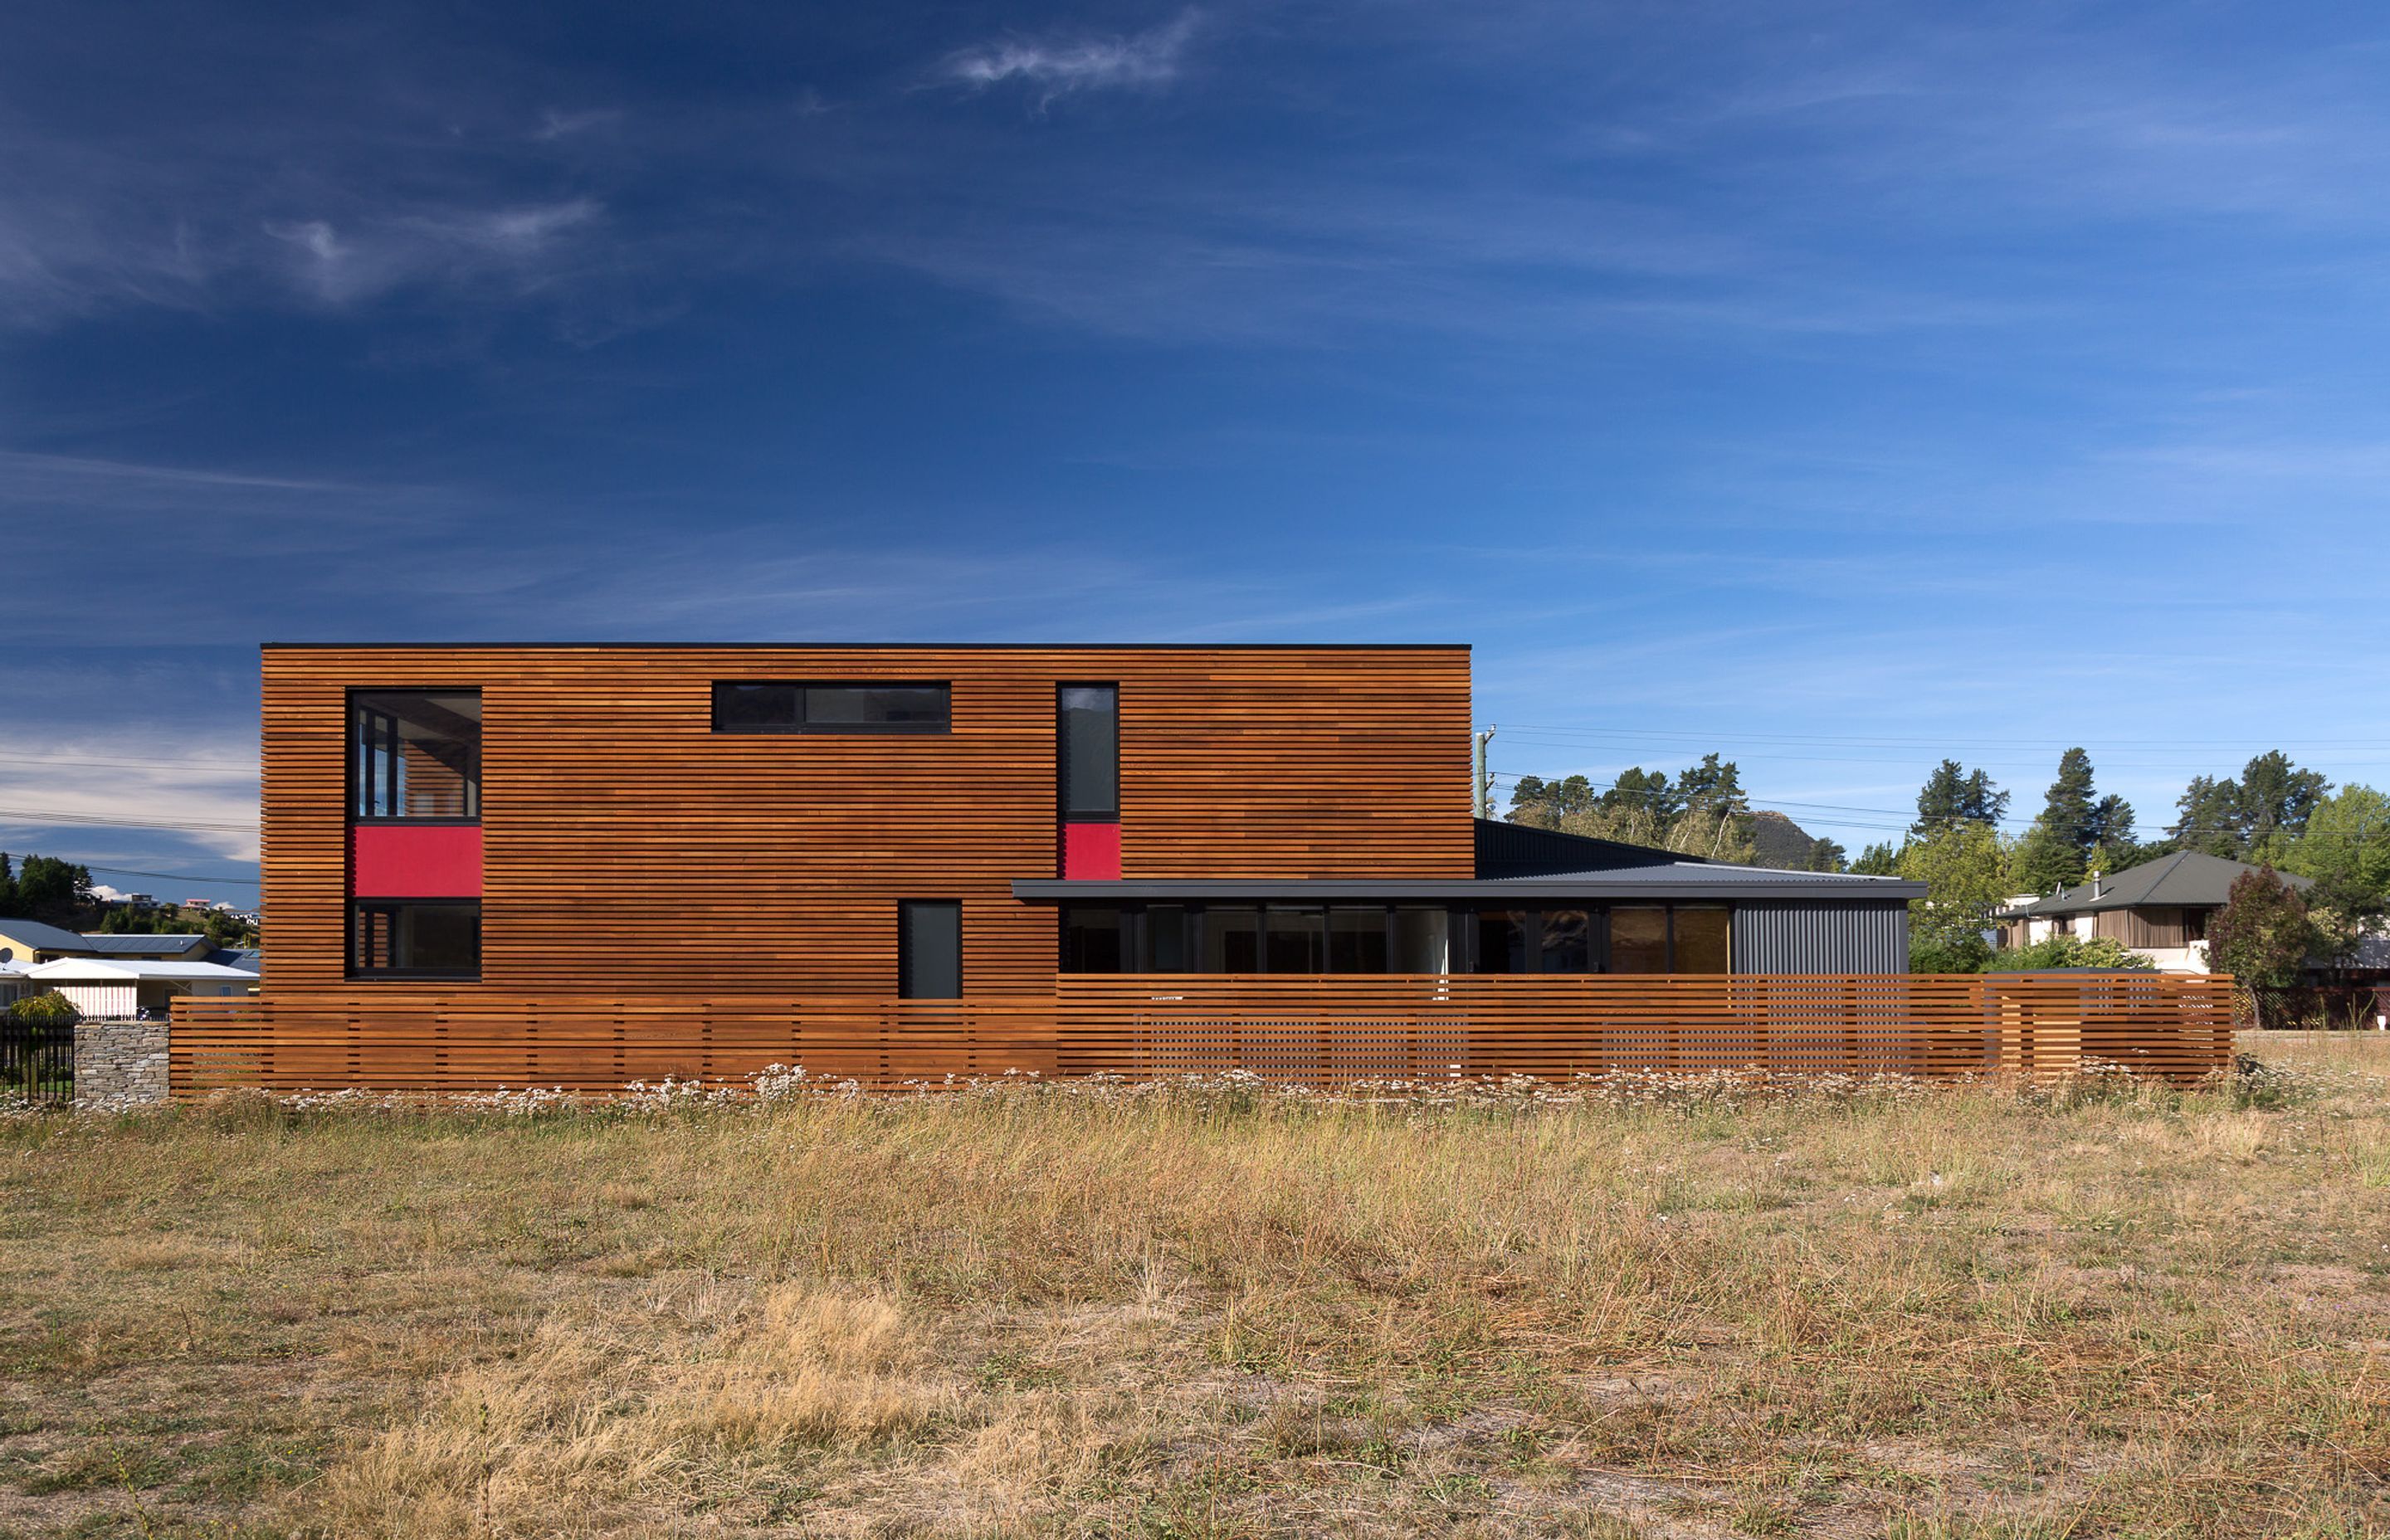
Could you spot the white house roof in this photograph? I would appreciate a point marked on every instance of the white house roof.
(114, 970)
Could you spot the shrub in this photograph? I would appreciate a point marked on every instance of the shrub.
(2067, 951)
(50, 1009)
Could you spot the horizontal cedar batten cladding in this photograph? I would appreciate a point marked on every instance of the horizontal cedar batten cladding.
(1311, 1030)
(628, 845)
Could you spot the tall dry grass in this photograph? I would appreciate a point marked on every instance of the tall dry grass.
(1212, 1312)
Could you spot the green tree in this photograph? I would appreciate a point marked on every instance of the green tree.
(2262, 936)
(2057, 852)
(1647, 792)
(1881, 859)
(2345, 849)
(8, 886)
(2277, 796)
(52, 890)
(1965, 869)
(2273, 799)
(1826, 856)
(1952, 794)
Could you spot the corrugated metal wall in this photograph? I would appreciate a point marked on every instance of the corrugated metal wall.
(1820, 935)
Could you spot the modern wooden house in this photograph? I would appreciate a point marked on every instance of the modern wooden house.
(949, 822)
(591, 867)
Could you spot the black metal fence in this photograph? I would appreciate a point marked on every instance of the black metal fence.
(37, 1061)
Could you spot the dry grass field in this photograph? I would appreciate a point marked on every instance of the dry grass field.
(1886, 1312)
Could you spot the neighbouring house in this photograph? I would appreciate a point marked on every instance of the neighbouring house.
(450, 823)
(2159, 909)
(113, 987)
(28, 942)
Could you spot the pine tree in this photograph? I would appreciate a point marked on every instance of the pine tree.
(1952, 795)
(2057, 851)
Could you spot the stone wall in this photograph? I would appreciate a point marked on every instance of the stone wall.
(120, 1064)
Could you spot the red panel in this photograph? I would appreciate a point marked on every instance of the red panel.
(1091, 852)
(431, 861)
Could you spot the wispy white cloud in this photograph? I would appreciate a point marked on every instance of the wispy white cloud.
(382, 251)
(1057, 66)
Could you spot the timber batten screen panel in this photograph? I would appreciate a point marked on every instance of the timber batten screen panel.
(1317, 1032)
(627, 842)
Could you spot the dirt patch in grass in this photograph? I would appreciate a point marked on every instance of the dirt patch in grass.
(1211, 1313)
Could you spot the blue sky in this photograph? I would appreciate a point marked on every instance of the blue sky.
(1834, 385)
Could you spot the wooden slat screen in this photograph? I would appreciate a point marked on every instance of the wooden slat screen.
(1309, 1030)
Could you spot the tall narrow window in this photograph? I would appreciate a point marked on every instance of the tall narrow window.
(1090, 750)
(929, 949)
(415, 753)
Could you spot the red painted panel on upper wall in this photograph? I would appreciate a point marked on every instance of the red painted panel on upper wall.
(1091, 852)
(414, 860)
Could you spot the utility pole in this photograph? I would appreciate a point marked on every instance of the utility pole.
(1484, 776)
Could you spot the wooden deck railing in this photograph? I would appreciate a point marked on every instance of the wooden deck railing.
(1311, 1030)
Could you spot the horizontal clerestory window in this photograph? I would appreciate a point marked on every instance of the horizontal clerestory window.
(798, 705)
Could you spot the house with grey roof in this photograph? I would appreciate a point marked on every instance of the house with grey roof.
(2159, 909)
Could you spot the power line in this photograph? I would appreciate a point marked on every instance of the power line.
(229, 768)
(42, 815)
(1878, 741)
(171, 877)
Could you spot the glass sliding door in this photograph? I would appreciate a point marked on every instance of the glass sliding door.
(1422, 940)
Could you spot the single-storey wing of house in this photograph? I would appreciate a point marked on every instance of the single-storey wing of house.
(2159, 909)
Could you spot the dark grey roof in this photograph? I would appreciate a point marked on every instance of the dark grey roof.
(1520, 850)
(40, 937)
(1514, 864)
(172, 944)
(2185, 880)
(248, 959)
(1696, 879)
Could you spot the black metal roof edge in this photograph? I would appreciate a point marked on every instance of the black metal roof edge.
(874, 646)
(1796, 885)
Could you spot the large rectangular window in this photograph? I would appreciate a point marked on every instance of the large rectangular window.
(1639, 940)
(416, 938)
(798, 706)
(1356, 940)
(1506, 940)
(1088, 728)
(1294, 940)
(929, 949)
(414, 754)
(1092, 940)
(1700, 941)
(1422, 940)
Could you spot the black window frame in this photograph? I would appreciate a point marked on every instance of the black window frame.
(357, 906)
(1068, 813)
(803, 727)
(356, 779)
(905, 945)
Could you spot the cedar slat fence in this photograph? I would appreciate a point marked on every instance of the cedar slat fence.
(1299, 1030)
